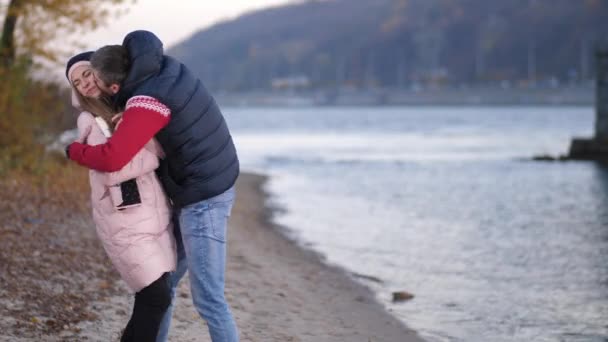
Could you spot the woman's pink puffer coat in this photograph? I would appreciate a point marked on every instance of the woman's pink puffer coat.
(138, 240)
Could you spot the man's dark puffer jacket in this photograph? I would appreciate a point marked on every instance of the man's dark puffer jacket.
(201, 160)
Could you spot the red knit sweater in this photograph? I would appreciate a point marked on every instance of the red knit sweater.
(144, 116)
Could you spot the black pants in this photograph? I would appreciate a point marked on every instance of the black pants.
(150, 306)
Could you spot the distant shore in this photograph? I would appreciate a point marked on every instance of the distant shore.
(277, 291)
(580, 95)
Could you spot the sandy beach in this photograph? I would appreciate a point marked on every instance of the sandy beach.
(57, 285)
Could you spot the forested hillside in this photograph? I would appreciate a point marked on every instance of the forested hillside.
(392, 43)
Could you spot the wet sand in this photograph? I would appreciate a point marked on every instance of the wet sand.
(277, 291)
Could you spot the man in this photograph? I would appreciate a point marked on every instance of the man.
(162, 99)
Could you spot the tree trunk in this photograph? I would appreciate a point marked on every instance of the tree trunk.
(7, 42)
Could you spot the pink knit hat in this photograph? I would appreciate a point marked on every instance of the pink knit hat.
(76, 60)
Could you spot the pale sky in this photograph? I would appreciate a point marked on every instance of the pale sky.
(171, 20)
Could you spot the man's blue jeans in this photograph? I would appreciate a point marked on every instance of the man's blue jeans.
(201, 250)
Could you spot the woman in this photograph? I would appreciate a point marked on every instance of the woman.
(130, 209)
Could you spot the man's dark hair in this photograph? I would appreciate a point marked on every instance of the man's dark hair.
(112, 63)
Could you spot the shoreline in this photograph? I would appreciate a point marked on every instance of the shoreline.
(277, 290)
(344, 309)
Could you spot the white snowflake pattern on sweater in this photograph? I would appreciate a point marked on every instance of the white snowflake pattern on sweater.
(148, 103)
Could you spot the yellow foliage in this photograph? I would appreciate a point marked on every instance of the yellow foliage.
(33, 113)
(43, 25)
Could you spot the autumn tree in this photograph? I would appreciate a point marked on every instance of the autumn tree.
(32, 111)
(31, 28)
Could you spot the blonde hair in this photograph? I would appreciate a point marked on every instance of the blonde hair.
(98, 107)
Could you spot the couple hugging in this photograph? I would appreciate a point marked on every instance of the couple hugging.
(162, 172)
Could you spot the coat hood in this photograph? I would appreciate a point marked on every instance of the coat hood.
(146, 55)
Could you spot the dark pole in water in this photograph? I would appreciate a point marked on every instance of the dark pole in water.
(597, 147)
(601, 92)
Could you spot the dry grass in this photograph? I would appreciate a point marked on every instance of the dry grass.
(33, 114)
